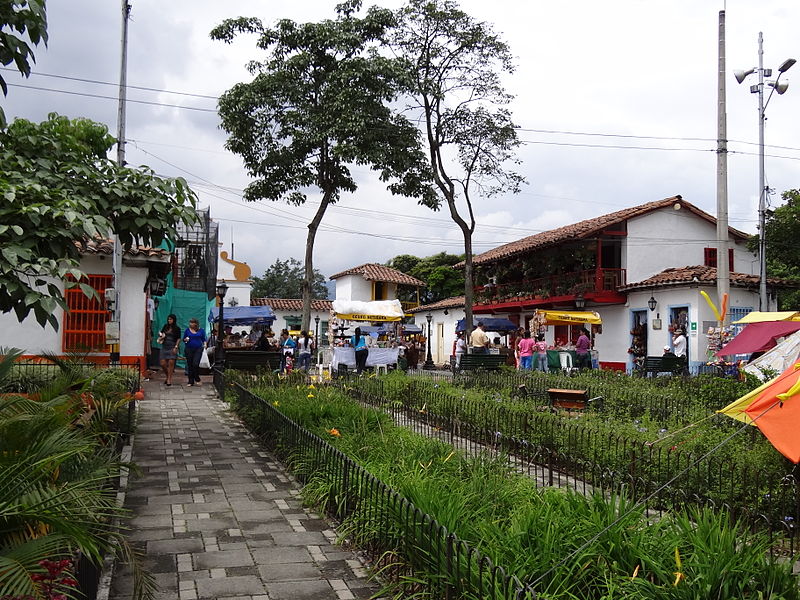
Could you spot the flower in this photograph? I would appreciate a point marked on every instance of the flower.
(310, 396)
(334, 432)
(276, 403)
(311, 386)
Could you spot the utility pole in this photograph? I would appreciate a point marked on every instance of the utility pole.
(762, 191)
(115, 300)
(723, 264)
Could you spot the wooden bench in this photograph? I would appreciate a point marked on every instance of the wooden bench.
(252, 360)
(487, 362)
(568, 399)
(663, 364)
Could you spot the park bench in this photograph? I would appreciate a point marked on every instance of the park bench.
(252, 360)
(487, 362)
(663, 364)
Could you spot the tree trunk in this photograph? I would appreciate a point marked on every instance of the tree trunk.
(468, 286)
(308, 280)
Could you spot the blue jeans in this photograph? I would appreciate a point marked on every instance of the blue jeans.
(525, 363)
(193, 363)
(480, 350)
(303, 361)
(541, 362)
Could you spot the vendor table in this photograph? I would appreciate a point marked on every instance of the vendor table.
(377, 356)
(554, 362)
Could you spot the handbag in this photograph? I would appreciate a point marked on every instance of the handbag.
(204, 362)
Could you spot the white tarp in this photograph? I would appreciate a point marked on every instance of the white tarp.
(377, 310)
(779, 358)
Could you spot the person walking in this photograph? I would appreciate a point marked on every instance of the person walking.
(287, 345)
(582, 350)
(460, 348)
(525, 347)
(304, 348)
(358, 342)
(169, 337)
(194, 344)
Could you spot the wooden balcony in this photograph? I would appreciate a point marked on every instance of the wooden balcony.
(407, 306)
(597, 286)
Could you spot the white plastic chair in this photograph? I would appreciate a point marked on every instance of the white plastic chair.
(381, 369)
(566, 363)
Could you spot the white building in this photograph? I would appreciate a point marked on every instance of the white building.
(82, 329)
(613, 264)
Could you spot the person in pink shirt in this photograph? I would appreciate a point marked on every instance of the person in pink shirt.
(541, 353)
(525, 347)
(582, 347)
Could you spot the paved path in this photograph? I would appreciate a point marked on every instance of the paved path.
(218, 517)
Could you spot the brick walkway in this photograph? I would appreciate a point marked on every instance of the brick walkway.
(218, 517)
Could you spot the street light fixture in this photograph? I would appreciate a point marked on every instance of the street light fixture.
(651, 304)
(316, 332)
(580, 302)
(780, 87)
(429, 366)
(219, 352)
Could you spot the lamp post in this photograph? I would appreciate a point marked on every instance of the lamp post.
(316, 332)
(429, 366)
(219, 352)
(758, 88)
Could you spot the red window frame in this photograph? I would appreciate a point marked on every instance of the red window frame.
(710, 257)
(86, 318)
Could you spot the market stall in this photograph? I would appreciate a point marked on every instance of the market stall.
(544, 318)
(243, 315)
(349, 314)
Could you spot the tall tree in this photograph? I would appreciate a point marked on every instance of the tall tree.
(20, 19)
(783, 252)
(317, 105)
(58, 190)
(437, 271)
(284, 279)
(455, 64)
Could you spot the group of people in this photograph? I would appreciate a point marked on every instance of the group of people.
(295, 353)
(194, 345)
(524, 346)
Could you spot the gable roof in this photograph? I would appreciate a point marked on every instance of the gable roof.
(454, 302)
(376, 272)
(589, 228)
(295, 304)
(106, 247)
(700, 274)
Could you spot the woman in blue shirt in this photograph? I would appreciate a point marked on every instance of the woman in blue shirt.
(194, 344)
(359, 342)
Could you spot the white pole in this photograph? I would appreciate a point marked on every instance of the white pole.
(116, 264)
(762, 191)
(723, 265)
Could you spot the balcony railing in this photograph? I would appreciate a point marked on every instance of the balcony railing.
(593, 281)
(407, 306)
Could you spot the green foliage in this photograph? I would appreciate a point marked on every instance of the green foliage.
(284, 279)
(58, 467)
(567, 545)
(59, 190)
(19, 18)
(437, 271)
(783, 254)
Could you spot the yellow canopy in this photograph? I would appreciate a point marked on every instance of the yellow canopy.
(736, 408)
(357, 317)
(568, 317)
(763, 317)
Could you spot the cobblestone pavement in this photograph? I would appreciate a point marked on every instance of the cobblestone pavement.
(218, 517)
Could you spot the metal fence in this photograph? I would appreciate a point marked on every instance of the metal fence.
(555, 452)
(403, 530)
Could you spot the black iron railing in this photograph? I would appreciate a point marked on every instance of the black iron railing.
(424, 545)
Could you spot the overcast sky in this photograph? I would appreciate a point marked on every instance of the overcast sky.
(616, 102)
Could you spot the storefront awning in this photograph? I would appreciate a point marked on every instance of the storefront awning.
(498, 325)
(377, 310)
(243, 315)
(762, 317)
(569, 317)
(758, 337)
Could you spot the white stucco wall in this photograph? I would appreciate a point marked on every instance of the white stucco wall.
(353, 287)
(280, 320)
(29, 336)
(134, 311)
(239, 290)
(440, 350)
(673, 238)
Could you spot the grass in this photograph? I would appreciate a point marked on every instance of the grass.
(570, 545)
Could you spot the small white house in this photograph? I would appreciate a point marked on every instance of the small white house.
(82, 328)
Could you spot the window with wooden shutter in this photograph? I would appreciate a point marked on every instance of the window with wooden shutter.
(710, 257)
(86, 318)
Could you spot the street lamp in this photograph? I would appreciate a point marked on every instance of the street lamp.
(580, 302)
(219, 352)
(651, 304)
(429, 366)
(316, 332)
(780, 87)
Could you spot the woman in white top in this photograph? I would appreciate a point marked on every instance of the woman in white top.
(304, 348)
(461, 347)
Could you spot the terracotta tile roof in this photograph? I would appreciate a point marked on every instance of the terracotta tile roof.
(588, 228)
(704, 275)
(106, 247)
(454, 302)
(376, 272)
(295, 304)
